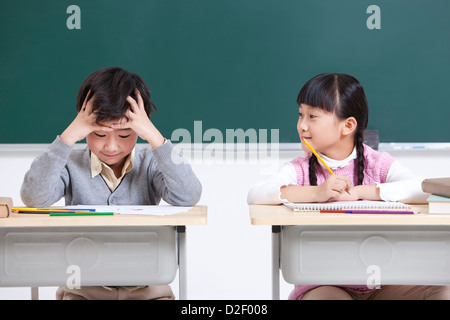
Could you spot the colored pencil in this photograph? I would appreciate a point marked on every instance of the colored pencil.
(32, 210)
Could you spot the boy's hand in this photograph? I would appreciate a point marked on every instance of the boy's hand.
(82, 125)
(140, 123)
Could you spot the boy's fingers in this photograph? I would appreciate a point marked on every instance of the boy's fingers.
(121, 125)
(98, 127)
(88, 107)
(86, 104)
(139, 98)
(106, 129)
(132, 103)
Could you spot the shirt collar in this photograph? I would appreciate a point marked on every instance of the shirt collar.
(334, 164)
(97, 165)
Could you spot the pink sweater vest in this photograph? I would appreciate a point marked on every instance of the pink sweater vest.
(376, 168)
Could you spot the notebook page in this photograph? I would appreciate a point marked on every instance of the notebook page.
(347, 205)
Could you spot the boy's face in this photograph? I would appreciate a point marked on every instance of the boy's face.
(112, 147)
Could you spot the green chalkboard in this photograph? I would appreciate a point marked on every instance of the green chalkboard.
(228, 63)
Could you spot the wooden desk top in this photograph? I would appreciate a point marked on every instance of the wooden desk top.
(281, 215)
(195, 216)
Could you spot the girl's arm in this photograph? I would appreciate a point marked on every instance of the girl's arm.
(269, 191)
(331, 189)
(283, 186)
(365, 192)
(401, 185)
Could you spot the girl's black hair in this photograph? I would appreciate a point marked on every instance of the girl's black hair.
(110, 88)
(344, 96)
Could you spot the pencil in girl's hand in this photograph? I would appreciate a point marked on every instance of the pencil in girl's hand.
(320, 159)
(317, 155)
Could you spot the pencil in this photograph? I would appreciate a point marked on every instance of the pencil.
(88, 213)
(38, 210)
(320, 159)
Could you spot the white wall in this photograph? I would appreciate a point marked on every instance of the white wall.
(228, 258)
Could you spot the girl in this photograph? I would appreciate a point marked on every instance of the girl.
(333, 114)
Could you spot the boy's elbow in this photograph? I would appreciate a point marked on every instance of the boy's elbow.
(194, 196)
(25, 196)
(190, 197)
(32, 199)
(33, 202)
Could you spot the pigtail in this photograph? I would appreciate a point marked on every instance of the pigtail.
(312, 170)
(359, 140)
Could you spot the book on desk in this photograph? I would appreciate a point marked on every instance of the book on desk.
(438, 204)
(439, 200)
(437, 186)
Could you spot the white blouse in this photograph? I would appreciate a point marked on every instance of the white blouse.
(401, 184)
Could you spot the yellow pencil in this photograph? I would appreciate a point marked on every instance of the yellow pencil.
(320, 159)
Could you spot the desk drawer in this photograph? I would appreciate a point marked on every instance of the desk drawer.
(97, 256)
(354, 255)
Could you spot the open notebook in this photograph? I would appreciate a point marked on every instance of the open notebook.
(348, 205)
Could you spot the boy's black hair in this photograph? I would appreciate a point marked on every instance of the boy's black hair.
(344, 96)
(110, 88)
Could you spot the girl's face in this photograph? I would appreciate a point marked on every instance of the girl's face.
(322, 129)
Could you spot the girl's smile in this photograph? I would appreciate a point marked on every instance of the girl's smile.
(324, 131)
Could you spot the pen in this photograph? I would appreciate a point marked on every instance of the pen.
(68, 213)
(320, 159)
(369, 211)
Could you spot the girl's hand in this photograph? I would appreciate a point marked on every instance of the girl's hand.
(351, 195)
(140, 123)
(333, 188)
(82, 125)
(361, 192)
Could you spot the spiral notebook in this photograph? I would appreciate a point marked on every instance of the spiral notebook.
(348, 205)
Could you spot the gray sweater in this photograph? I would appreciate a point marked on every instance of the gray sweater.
(63, 171)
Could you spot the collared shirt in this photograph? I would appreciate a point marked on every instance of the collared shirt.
(98, 167)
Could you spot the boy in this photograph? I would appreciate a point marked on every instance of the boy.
(114, 108)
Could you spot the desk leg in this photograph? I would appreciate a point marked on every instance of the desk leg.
(276, 230)
(34, 293)
(182, 273)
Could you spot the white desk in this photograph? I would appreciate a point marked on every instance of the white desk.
(121, 250)
(318, 248)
